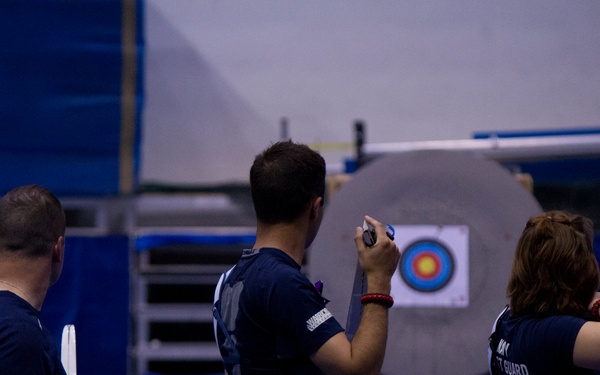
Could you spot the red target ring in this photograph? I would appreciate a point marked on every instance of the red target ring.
(427, 265)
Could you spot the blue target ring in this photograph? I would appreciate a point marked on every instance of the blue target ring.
(426, 266)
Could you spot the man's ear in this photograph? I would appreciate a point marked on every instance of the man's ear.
(58, 251)
(316, 205)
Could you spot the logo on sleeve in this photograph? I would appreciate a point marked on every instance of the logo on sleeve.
(316, 320)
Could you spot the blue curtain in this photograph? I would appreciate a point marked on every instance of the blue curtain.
(93, 294)
(60, 94)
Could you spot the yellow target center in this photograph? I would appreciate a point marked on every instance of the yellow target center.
(426, 266)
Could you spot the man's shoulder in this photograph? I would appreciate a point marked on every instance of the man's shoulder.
(24, 349)
(21, 338)
(271, 260)
(14, 310)
(20, 327)
(267, 269)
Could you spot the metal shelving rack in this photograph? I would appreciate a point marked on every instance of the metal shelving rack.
(175, 269)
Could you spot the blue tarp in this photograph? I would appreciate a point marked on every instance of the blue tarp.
(93, 294)
(60, 94)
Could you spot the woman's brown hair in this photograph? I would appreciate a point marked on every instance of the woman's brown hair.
(554, 270)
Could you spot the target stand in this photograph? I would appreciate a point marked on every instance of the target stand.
(457, 217)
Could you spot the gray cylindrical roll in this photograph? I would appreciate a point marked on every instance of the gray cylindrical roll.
(430, 188)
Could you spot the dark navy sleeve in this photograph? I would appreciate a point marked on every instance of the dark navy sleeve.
(299, 311)
(22, 350)
(562, 332)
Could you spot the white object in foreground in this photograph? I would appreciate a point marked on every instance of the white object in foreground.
(68, 350)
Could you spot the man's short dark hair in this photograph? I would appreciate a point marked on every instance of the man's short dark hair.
(283, 180)
(31, 220)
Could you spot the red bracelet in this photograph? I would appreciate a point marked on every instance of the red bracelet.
(595, 308)
(380, 299)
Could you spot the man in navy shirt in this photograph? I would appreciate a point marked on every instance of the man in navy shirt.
(269, 318)
(32, 227)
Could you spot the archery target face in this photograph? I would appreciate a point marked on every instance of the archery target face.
(434, 268)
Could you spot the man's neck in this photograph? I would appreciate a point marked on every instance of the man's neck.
(25, 280)
(289, 238)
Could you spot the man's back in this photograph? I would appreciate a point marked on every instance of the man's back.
(278, 316)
